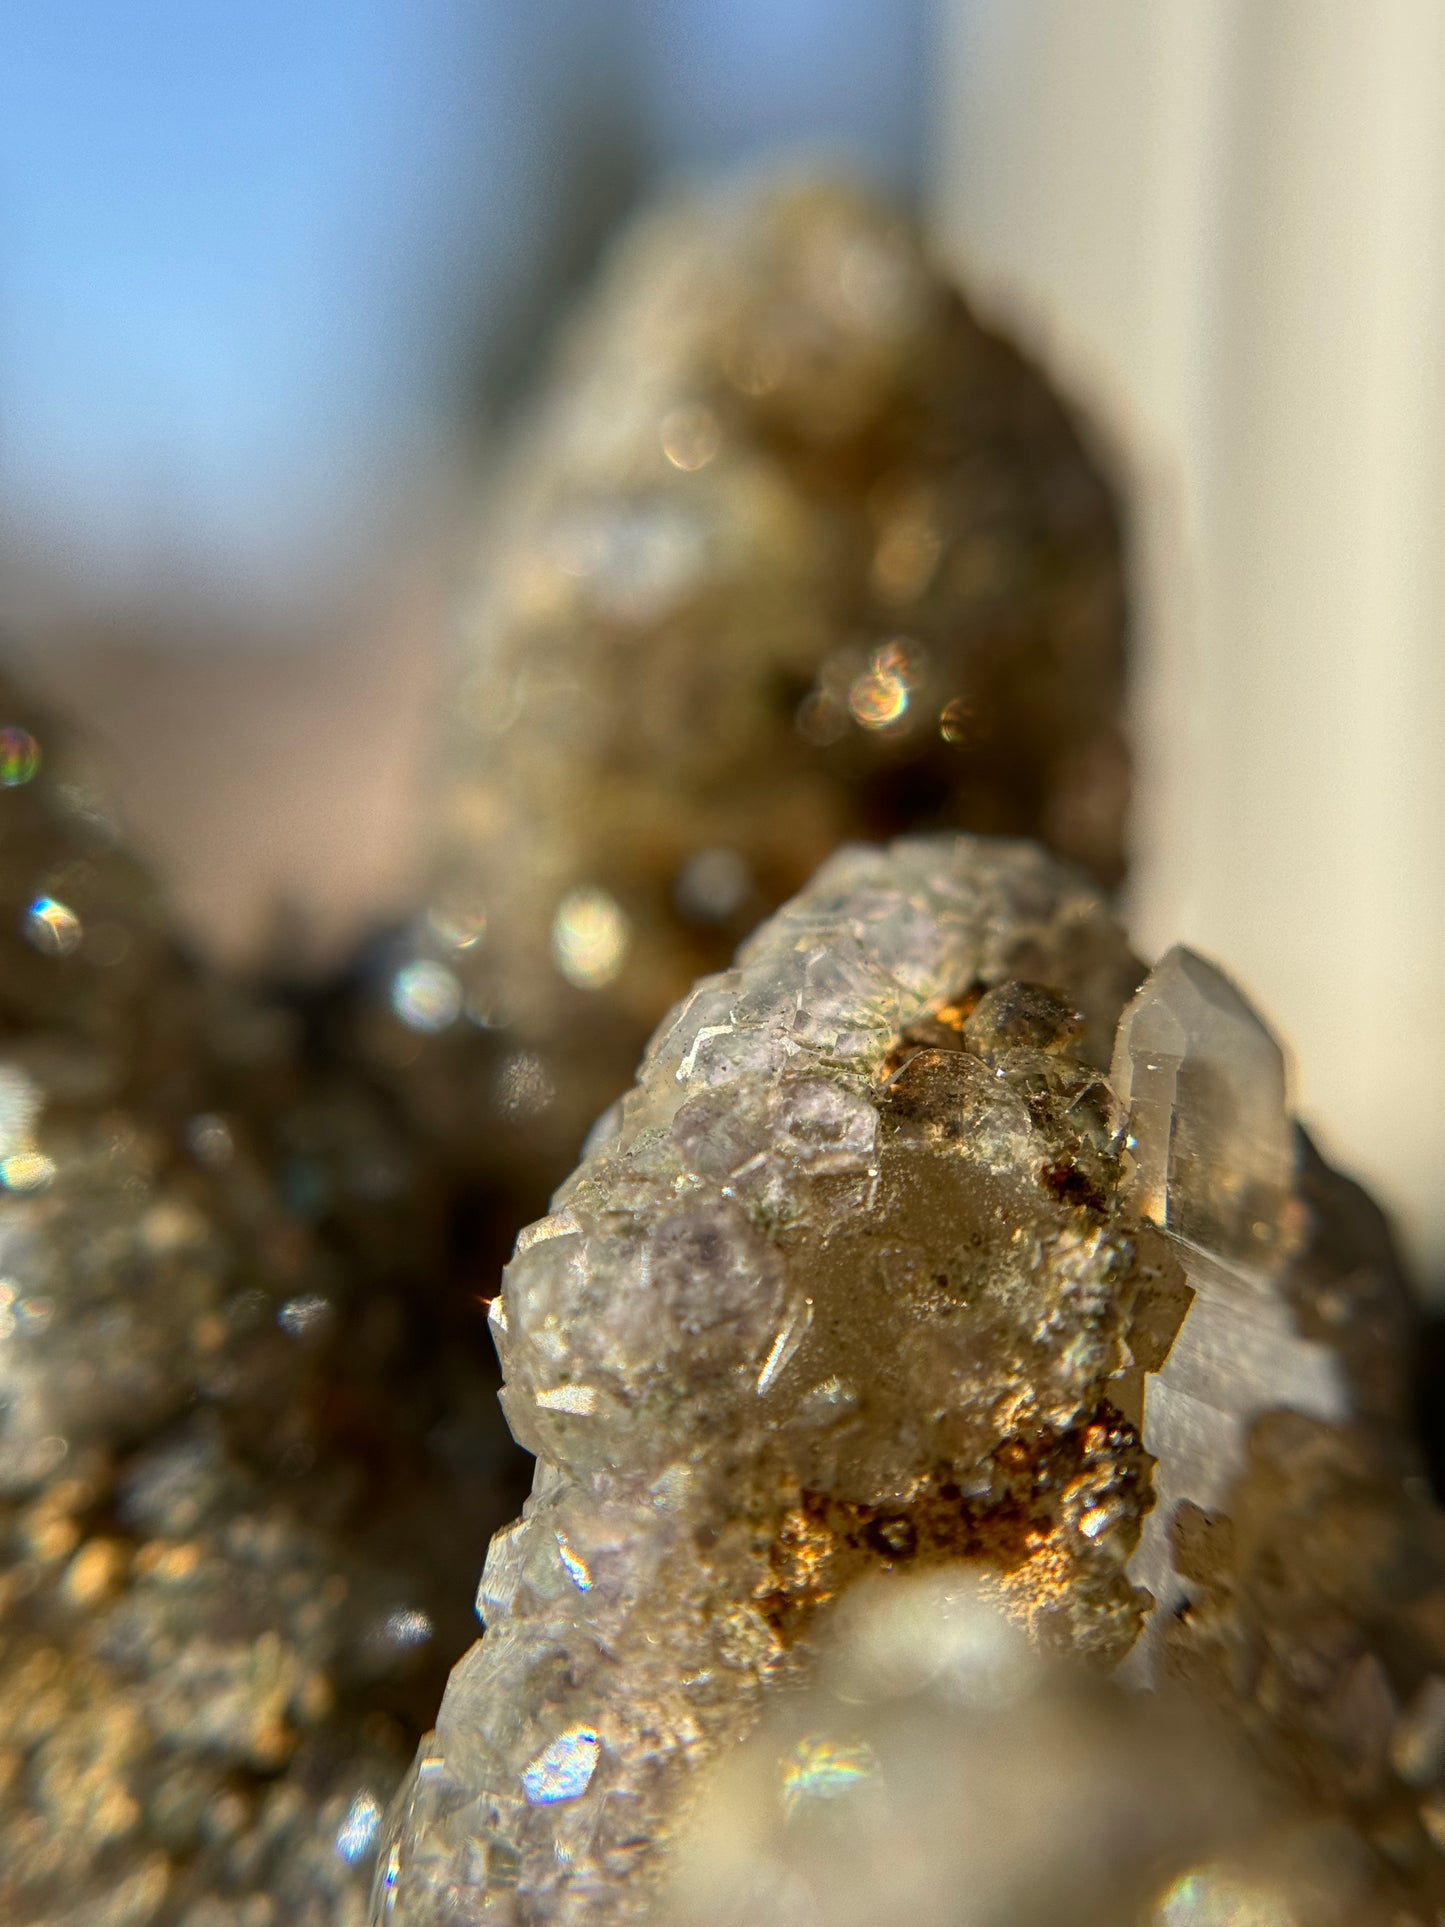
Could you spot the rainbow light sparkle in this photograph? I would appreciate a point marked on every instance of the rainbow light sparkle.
(819, 1768)
(1218, 1897)
(52, 927)
(19, 756)
(563, 1770)
(26, 1171)
(574, 1565)
(356, 1835)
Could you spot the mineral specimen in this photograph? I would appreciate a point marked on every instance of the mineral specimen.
(797, 551)
(874, 1269)
(225, 1549)
(793, 552)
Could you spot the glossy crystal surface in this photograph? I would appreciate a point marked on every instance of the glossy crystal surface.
(856, 1281)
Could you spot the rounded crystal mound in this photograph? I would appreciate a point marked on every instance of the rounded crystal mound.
(792, 550)
(877, 1270)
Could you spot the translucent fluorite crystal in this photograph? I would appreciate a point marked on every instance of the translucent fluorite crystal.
(862, 1276)
(791, 550)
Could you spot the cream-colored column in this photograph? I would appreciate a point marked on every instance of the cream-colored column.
(1224, 223)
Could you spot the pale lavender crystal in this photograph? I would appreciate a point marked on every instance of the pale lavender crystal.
(674, 1352)
(873, 1267)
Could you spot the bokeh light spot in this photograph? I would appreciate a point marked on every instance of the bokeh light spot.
(52, 927)
(690, 436)
(878, 699)
(713, 885)
(426, 996)
(958, 721)
(590, 938)
(19, 756)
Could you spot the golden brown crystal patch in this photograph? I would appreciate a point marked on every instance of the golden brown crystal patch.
(1030, 1533)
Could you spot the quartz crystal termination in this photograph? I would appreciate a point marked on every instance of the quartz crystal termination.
(1212, 1157)
(1294, 1552)
(791, 551)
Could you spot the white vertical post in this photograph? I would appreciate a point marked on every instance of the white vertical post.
(1223, 221)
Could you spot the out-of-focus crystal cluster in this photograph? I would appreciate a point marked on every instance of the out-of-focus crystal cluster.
(939, 1772)
(877, 1268)
(793, 552)
(225, 1549)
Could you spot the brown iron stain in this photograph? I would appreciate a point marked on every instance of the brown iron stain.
(1017, 1535)
(940, 1028)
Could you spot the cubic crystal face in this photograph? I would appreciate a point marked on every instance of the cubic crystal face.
(864, 1276)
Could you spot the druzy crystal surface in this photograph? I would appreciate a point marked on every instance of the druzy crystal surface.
(875, 1269)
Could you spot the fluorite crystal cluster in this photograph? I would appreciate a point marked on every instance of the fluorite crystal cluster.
(880, 1266)
(793, 551)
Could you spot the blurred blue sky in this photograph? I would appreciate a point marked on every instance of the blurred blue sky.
(256, 259)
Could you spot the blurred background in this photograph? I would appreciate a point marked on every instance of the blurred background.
(276, 276)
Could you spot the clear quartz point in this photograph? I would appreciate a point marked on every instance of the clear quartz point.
(1214, 1157)
(1203, 1083)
